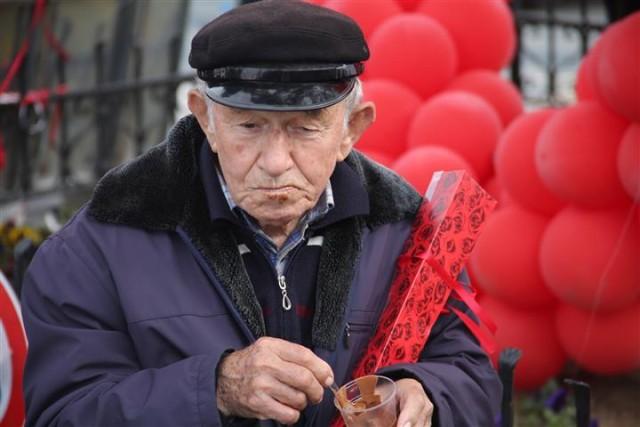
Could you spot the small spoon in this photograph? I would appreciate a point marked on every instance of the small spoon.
(340, 397)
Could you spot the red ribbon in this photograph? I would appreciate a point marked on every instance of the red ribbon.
(56, 44)
(41, 96)
(484, 337)
(3, 155)
(36, 17)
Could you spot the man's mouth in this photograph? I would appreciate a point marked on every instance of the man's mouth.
(282, 188)
(279, 194)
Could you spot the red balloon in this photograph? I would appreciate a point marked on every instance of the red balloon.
(493, 187)
(409, 5)
(378, 157)
(482, 30)
(367, 16)
(629, 161)
(432, 61)
(395, 106)
(418, 165)
(586, 76)
(505, 259)
(461, 121)
(533, 332)
(618, 67)
(583, 87)
(576, 155)
(503, 96)
(515, 163)
(589, 259)
(605, 344)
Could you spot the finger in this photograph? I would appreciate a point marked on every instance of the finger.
(300, 378)
(302, 356)
(428, 413)
(287, 395)
(409, 415)
(422, 418)
(270, 361)
(411, 410)
(269, 408)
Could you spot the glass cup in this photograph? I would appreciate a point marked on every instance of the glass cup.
(368, 401)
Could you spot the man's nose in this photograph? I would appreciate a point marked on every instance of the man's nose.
(275, 157)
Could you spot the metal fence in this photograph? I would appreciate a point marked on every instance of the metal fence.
(80, 98)
(552, 37)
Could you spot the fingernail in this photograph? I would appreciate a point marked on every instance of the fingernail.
(329, 381)
(407, 425)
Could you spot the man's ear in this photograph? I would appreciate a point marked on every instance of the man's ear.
(198, 106)
(361, 118)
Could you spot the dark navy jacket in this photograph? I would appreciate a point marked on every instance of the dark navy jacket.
(130, 307)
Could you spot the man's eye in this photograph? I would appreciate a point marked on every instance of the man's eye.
(249, 125)
(308, 129)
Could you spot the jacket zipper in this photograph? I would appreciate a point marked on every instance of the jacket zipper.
(282, 281)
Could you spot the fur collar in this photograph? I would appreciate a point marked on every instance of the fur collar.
(149, 193)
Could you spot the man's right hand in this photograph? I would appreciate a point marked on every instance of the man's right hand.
(271, 379)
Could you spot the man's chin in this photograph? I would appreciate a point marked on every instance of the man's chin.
(276, 213)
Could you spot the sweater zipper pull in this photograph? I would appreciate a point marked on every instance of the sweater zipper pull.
(286, 302)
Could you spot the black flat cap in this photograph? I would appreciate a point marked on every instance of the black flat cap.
(279, 55)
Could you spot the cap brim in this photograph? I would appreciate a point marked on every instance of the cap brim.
(270, 96)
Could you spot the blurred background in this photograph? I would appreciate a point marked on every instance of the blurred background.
(538, 99)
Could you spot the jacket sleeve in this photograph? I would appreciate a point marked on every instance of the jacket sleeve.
(82, 367)
(456, 373)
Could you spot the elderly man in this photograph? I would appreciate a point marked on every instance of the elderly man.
(232, 273)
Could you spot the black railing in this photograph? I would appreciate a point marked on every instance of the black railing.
(62, 119)
(577, 23)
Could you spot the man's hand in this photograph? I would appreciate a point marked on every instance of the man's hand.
(415, 407)
(271, 379)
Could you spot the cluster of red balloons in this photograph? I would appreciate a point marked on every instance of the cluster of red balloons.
(559, 263)
(566, 246)
(433, 75)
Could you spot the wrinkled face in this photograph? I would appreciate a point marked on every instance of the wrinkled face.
(277, 164)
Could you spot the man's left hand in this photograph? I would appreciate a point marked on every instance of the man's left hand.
(415, 407)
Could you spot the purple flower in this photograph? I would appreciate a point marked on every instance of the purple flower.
(557, 400)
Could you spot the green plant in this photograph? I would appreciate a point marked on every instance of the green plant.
(551, 406)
